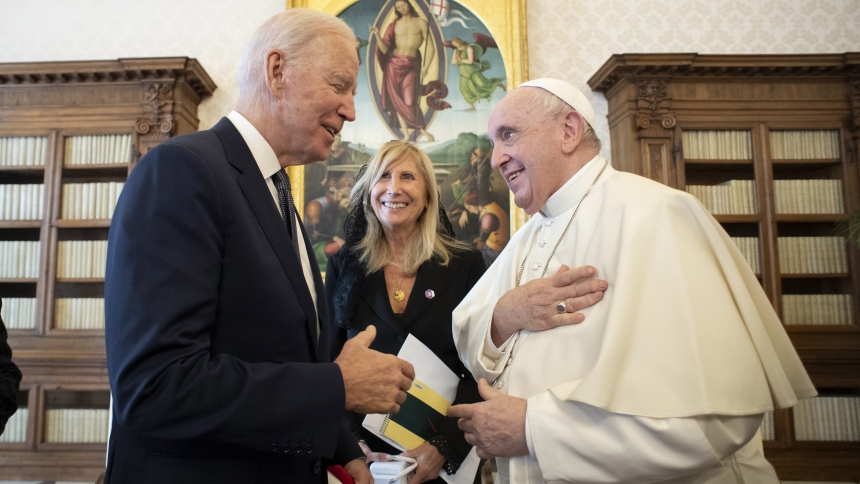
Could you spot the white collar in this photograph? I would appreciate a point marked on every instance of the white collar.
(261, 150)
(569, 194)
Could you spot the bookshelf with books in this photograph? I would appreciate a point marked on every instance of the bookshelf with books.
(768, 144)
(70, 133)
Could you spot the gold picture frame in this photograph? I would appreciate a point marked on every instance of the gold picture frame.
(508, 23)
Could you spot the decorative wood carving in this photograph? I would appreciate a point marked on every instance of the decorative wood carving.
(854, 101)
(654, 116)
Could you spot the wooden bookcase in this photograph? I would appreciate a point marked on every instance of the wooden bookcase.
(773, 118)
(77, 123)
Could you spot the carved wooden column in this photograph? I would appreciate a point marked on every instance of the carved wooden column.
(156, 124)
(655, 123)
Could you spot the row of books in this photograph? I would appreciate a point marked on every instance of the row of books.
(81, 258)
(79, 313)
(717, 145)
(19, 312)
(22, 201)
(89, 200)
(97, 150)
(76, 425)
(23, 151)
(804, 145)
(812, 255)
(828, 419)
(16, 427)
(19, 259)
(817, 309)
(734, 197)
(749, 247)
(767, 428)
(808, 196)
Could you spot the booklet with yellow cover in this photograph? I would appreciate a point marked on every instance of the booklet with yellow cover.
(427, 402)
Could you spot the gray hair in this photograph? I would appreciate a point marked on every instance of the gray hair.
(554, 108)
(293, 33)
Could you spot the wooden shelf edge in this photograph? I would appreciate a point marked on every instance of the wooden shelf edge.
(107, 166)
(22, 168)
(822, 328)
(18, 280)
(83, 224)
(810, 217)
(831, 275)
(808, 161)
(717, 162)
(730, 218)
(81, 280)
(20, 224)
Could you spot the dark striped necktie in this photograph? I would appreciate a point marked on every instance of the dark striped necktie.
(288, 208)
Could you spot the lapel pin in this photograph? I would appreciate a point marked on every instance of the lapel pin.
(429, 294)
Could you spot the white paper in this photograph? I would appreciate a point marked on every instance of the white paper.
(432, 371)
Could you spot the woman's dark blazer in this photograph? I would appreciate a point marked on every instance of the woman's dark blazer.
(426, 318)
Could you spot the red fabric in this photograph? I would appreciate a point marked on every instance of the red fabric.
(402, 88)
(341, 474)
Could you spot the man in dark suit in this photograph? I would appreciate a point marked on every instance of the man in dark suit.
(10, 378)
(217, 357)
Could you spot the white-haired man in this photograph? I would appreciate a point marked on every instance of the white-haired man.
(219, 367)
(669, 376)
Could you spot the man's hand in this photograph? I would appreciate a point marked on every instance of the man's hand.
(429, 460)
(373, 382)
(532, 306)
(497, 426)
(357, 468)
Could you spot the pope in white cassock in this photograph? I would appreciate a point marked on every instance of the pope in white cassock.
(669, 376)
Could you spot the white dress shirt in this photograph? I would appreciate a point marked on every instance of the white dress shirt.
(266, 159)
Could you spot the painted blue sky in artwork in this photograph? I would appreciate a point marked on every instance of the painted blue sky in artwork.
(369, 128)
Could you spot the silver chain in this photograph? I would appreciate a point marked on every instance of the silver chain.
(497, 382)
(569, 222)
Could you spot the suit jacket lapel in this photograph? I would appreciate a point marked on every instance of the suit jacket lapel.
(254, 188)
(376, 295)
(431, 277)
(321, 318)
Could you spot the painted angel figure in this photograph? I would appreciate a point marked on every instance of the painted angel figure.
(473, 85)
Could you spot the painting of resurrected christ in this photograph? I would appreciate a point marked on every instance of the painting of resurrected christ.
(430, 73)
(407, 45)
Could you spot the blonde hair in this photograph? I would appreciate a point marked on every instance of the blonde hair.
(430, 238)
(293, 33)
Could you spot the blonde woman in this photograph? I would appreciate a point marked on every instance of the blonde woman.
(402, 271)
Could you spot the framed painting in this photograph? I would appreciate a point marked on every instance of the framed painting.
(431, 72)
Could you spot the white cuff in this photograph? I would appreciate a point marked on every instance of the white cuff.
(529, 435)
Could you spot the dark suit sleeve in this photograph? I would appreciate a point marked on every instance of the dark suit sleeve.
(348, 448)
(467, 391)
(167, 248)
(10, 378)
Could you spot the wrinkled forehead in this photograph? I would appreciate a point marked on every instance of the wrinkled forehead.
(515, 109)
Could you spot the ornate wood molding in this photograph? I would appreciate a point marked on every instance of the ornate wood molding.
(653, 103)
(621, 66)
(157, 121)
(142, 70)
(854, 102)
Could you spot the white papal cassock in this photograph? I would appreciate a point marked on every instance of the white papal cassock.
(669, 375)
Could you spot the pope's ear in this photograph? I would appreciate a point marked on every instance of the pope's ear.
(574, 129)
(276, 72)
